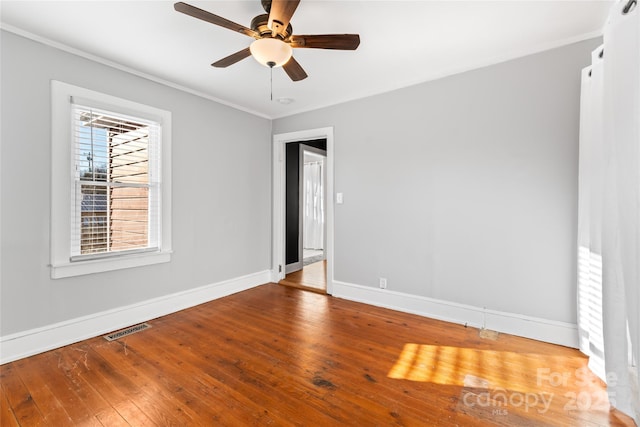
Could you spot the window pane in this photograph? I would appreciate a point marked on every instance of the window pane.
(91, 152)
(130, 157)
(129, 218)
(94, 231)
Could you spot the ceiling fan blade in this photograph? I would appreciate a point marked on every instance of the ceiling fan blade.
(187, 9)
(232, 59)
(294, 70)
(280, 14)
(327, 41)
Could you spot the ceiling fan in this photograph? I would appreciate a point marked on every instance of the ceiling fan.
(274, 38)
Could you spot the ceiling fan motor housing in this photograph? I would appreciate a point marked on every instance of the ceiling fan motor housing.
(259, 25)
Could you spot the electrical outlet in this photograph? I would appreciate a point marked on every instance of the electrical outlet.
(383, 283)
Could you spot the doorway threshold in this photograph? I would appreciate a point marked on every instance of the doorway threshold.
(312, 277)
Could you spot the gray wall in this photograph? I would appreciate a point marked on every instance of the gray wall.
(463, 189)
(221, 191)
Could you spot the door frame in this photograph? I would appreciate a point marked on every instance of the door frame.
(278, 205)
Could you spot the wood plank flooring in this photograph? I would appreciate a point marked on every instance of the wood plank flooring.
(312, 277)
(280, 356)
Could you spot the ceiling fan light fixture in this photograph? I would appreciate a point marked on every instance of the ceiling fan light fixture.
(271, 52)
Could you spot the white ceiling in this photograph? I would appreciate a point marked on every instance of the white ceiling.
(402, 42)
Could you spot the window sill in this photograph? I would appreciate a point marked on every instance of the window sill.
(80, 268)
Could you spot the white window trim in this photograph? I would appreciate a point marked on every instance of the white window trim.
(62, 177)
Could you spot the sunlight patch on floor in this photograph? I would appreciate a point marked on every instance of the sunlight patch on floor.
(448, 365)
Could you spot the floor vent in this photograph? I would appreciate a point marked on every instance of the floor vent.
(126, 332)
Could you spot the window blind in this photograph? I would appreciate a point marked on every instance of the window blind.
(116, 187)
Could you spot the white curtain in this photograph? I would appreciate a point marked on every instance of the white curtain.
(590, 194)
(313, 220)
(609, 210)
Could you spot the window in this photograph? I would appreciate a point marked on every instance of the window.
(115, 191)
(110, 183)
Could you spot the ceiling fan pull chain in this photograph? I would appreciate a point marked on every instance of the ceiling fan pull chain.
(271, 64)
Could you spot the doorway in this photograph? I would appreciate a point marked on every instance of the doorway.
(301, 188)
(283, 257)
(306, 231)
(305, 214)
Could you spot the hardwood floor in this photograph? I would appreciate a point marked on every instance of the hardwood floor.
(280, 356)
(312, 277)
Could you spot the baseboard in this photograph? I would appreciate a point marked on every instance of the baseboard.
(550, 331)
(34, 341)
